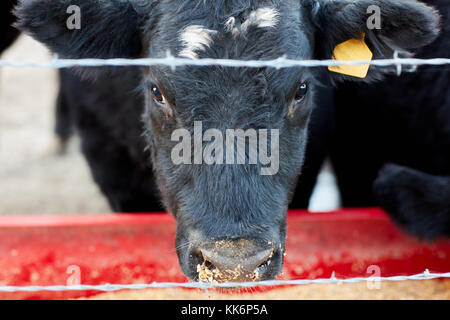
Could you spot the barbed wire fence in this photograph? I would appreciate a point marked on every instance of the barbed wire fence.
(426, 275)
(174, 62)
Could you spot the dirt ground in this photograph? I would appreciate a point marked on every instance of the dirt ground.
(33, 179)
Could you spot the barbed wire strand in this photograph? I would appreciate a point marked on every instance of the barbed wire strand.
(174, 62)
(426, 275)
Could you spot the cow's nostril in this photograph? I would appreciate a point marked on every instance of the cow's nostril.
(208, 265)
(263, 267)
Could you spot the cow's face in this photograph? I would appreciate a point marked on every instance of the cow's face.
(220, 201)
(227, 143)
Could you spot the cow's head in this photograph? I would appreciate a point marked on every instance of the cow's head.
(230, 204)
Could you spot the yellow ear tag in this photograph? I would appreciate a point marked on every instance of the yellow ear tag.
(351, 50)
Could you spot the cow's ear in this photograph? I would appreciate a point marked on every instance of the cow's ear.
(83, 28)
(383, 26)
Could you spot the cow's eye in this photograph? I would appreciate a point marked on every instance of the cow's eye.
(301, 91)
(157, 95)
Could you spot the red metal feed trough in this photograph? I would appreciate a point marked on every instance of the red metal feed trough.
(125, 249)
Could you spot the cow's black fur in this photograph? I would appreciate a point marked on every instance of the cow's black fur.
(7, 32)
(111, 113)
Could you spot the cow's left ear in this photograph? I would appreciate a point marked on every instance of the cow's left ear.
(374, 27)
(85, 28)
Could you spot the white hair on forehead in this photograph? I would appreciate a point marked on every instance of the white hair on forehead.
(195, 38)
(266, 17)
(230, 24)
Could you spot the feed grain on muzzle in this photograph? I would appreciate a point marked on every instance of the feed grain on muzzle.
(220, 258)
(231, 218)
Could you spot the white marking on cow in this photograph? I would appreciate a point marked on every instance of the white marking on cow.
(262, 18)
(195, 38)
(230, 24)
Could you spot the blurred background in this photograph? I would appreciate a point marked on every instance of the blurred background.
(34, 179)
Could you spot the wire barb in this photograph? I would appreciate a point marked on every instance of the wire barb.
(398, 65)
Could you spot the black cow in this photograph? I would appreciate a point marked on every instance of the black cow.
(7, 32)
(231, 218)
